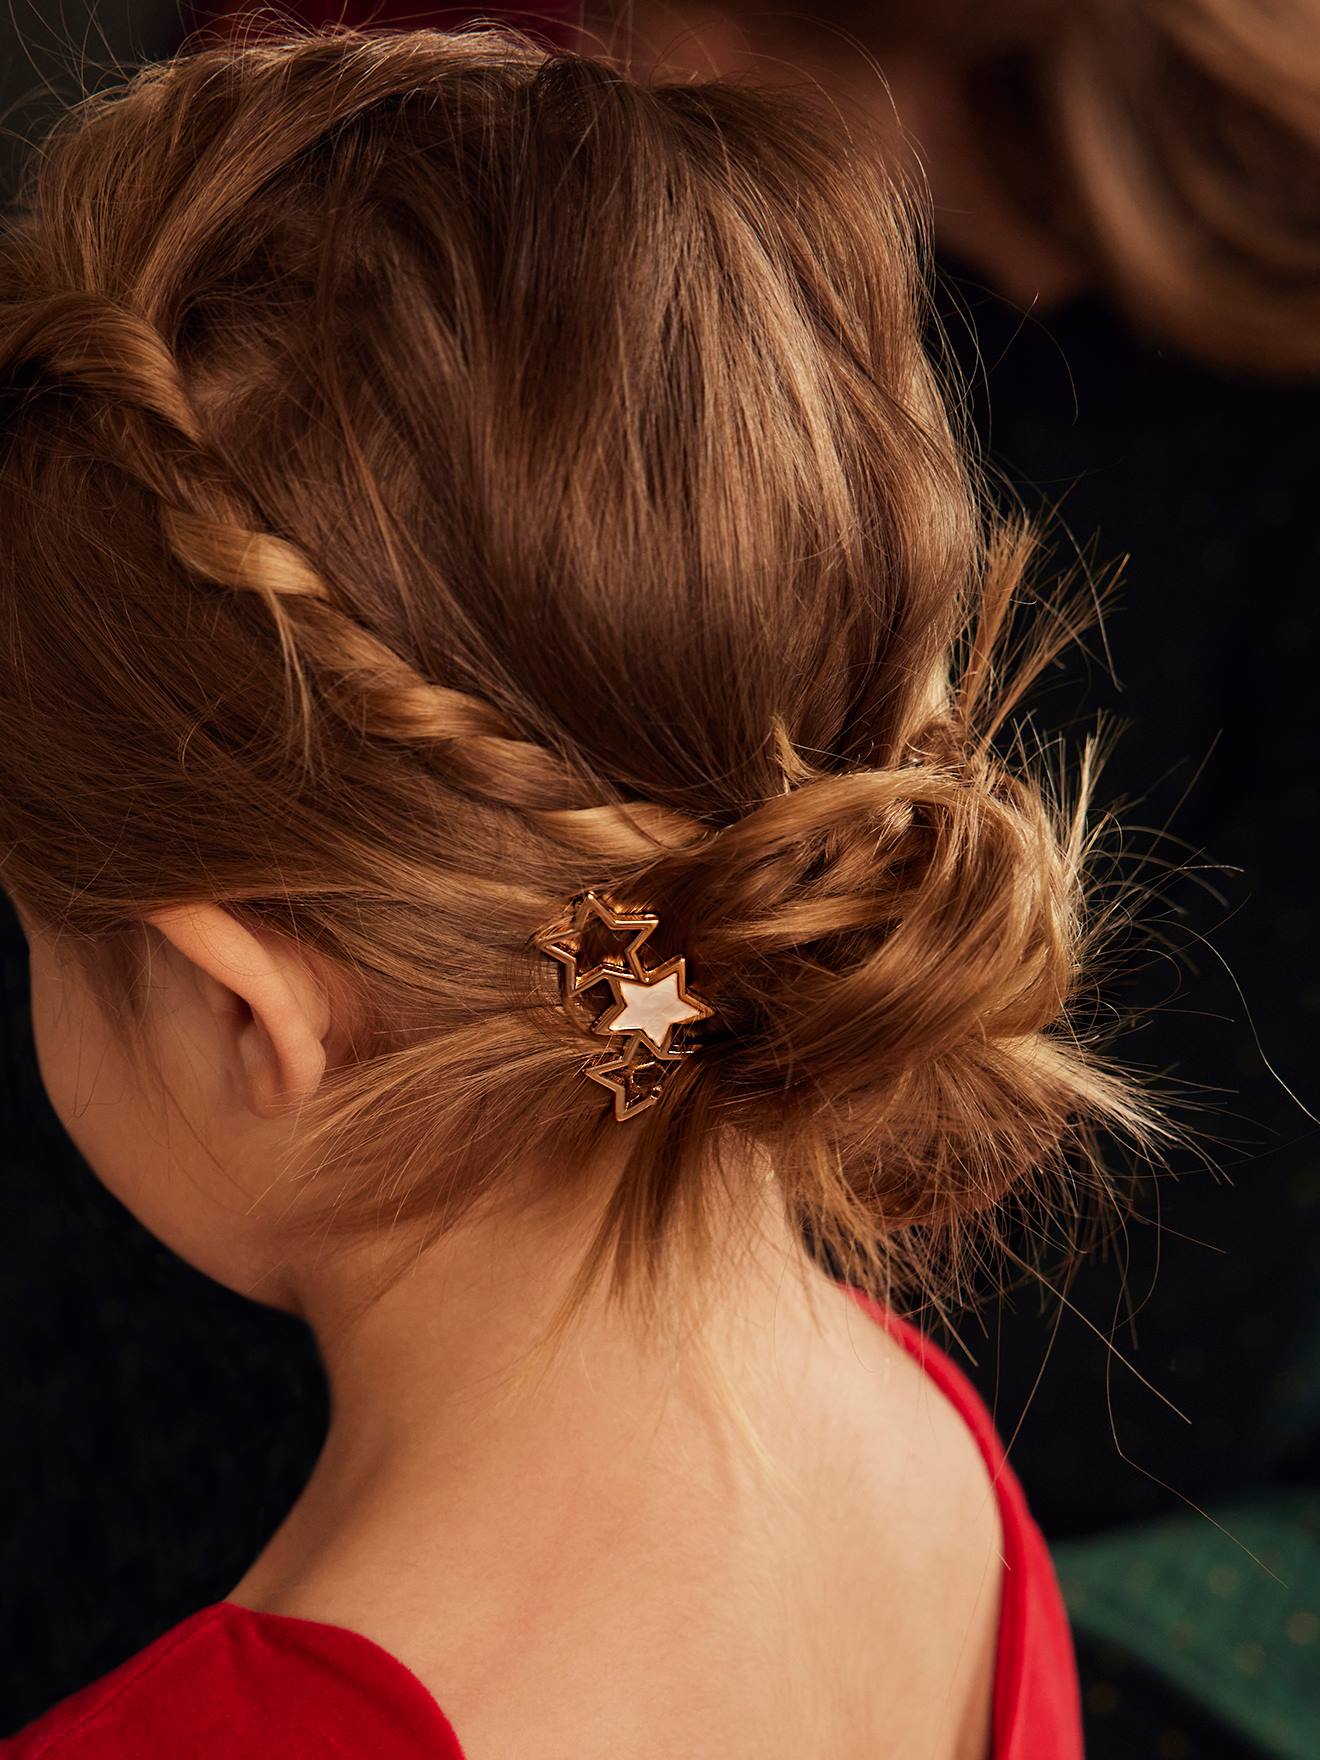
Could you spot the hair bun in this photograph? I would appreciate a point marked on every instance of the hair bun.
(889, 949)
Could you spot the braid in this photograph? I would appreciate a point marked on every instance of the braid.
(88, 340)
(104, 348)
(371, 686)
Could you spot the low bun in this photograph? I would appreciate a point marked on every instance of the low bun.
(893, 952)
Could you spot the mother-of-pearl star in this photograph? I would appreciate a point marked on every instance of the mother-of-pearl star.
(653, 1009)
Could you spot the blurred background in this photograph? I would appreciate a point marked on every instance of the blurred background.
(1126, 200)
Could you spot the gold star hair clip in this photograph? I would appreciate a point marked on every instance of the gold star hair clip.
(651, 1012)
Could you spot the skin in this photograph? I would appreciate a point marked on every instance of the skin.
(831, 1588)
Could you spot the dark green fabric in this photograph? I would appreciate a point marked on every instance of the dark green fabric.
(1225, 1607)
(1132, 1713)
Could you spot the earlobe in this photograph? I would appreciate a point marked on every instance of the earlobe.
(282, 1014)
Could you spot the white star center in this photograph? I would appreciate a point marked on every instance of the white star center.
(652, 1009)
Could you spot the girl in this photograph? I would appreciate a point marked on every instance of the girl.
(495, 639)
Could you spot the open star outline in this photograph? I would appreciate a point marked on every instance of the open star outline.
(636, 1080)
(649, 1006)
(563, 941)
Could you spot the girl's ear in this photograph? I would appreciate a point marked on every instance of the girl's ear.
(267, 1002)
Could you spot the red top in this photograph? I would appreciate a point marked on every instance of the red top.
(230, 1684)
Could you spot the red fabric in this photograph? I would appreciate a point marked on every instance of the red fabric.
(230, 1684)
(1037, 1714)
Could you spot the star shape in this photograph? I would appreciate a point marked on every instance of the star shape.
(562, 941)
(650, 1007)
(635, 1079)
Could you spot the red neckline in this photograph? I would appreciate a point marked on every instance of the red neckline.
(1011, 1505)
(1011, 1632)
(395, 1679)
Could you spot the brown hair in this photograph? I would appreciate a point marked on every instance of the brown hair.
(1171, 146)
(440, 476)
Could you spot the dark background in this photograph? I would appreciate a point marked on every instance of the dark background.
(158, 1428)
(1205, 669)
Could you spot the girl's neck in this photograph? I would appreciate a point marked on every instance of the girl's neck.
(433, 1433)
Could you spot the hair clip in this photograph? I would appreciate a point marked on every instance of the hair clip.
(651, 1012)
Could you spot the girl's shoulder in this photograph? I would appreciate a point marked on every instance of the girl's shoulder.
(232, 1684)
(1037, 1710)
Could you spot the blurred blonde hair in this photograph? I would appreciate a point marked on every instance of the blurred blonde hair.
(1171, 146)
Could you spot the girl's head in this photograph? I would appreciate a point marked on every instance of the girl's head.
(438, 477)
